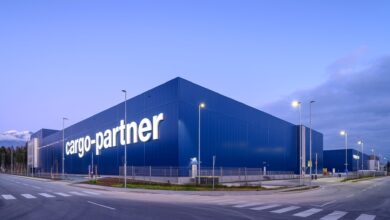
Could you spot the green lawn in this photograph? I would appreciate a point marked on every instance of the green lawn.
(163, 186)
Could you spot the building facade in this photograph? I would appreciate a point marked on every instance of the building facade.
(335, 159)
(165, 126)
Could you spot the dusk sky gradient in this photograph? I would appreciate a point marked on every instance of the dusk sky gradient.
(72, 58)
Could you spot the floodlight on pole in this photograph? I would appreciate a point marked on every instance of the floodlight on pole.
(201, 106)
(63, 146)
(125, 162)
(345, 134)
(297, 104)
(361, 143)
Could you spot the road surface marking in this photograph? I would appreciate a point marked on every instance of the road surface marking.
(247, 205)
(349, 196)
(327, 203)
(308, 212)
(366, 217)
(334, 215)
(92, 193)
(37, 187)
(107, 207)
(63, 194)
(28, 196)
(8, 197)
(229, 202)
(219, 200)
(77, 193)
(287, 209)
(46, 195)
(265, 207)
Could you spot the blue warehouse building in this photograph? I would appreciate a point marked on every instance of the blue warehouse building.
(335, 159)
(161, 129)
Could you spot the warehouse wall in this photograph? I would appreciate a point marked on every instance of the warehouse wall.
(237, 134)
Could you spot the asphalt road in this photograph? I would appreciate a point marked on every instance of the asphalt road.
(28, 198)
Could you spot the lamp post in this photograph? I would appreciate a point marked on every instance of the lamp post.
(125, 162)
(345, 134)
(201, 106)
(373, 152)
(297, 104)
(311, 162)
(63, 146)
(362, 144)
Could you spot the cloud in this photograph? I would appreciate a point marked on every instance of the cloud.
(355, 98)
(14, 138)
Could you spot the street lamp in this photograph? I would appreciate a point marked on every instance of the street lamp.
(362, 144)
(373, 152)
(345, 134)
(201, 106)
(125, 162)
(63, 146)
(311, 162)
(297, 104)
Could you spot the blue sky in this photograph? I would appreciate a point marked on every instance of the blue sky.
(72, 58)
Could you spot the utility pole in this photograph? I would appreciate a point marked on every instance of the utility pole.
(12, 161)
(311, 161)
(125, 162)
(63, 146)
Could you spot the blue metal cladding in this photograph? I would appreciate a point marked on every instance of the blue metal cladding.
(238, 135)
(153, 153)
(317, 148)
(336, 159)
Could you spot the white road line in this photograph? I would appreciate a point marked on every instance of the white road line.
(46, 195)
(77, 193)
(37, 187)
(287, 209)
(334, 215)
(247, 205)
(28, 196)
(265, 207)
(107, 207)
(230, 202)
(92, 193)
(8, 197)
(349, 196)
(308, 212)
(366, 217)
(327, 203)
(218, 200)
(63, 194)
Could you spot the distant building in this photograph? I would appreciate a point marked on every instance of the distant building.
(374, 163)
(335, 159)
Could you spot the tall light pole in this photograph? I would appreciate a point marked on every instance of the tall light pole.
(373, 152)
(345, 134)
(297, 104)
(200, 107)
(362, 144)
(311, 162)
(125, 162)
(63, 146)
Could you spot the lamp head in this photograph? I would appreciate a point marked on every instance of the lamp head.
(295, 103)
